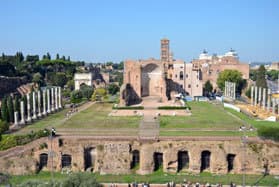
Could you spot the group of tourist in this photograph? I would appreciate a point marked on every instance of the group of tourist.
(173, 184)
(73, 110)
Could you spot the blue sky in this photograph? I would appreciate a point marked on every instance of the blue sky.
(115, 30)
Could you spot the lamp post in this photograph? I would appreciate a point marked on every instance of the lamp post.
(52, 134)
(244, 139)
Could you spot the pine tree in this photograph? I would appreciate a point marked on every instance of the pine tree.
(10, 109)
(57, 56)
(48, 56)
(4, 109)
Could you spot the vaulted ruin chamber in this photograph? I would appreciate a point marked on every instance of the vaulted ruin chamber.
(135, 159)
(205, 160)
(158, 160)
(89, 158)
(183, 160)
(43, 160)
(230, 161)
(66, 160)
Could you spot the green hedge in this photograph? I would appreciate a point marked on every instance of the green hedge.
(9, 141)
(128, 108)
(174, 107)
(269, 133)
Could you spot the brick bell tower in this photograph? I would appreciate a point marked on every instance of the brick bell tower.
(165, 50)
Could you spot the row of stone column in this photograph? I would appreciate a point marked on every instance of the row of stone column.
(262, 97)
(230, 90)
(52, 101)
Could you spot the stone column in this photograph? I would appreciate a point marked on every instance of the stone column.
(16, 118)
(34, 106)
(22, 122)
(226, 89)
(28, 109)
(48, 101)
(273, 105)
(264, 98)
(60, 98)
(44, 102)
(256, 95)
(268, 99)
(260, 96)
(56, 98)
(39, 104)
(252, 95)
(52, 100)
(234, 86)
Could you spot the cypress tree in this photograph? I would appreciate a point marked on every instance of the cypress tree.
(17, 105)
(24, 99)
(10, 109)
(260, 77)
(4, 110)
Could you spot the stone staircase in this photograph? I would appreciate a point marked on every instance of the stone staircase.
(149, 128)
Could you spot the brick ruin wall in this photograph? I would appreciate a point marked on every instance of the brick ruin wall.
(115, 157)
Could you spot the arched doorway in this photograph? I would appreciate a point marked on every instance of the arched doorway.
(89, 158)
(43, 160)
(66, 160)
(135, 158)
(158, 160)
(151, 77)
(183, 160)
(205, 160)
(230, 161)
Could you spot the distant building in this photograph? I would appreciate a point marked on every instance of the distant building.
(93, 78)
(162, 78)
(212, 65)
(274, 66)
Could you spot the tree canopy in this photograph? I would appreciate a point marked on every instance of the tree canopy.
(260, 77)
(232, 76)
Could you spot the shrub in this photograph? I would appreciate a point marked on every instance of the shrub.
(10, 141)
(81, 179)
(4, 126)
(99, 94)
(113, 89)
(86, 91)
(269, 133)
(76, 96)
(128, 108)
(174, 107)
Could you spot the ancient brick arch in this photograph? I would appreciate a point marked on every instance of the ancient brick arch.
(66, 160)
(230, 161)
(158, 160)
(43, 158)
(135, 158)
(89, 158)
(205, 160)
(151, 80)
(183, 160)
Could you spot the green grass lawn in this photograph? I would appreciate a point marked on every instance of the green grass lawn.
(252, 121)
(204, 116)
(204, 133)
(96, 116)
(53, 120)
(158, 177)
